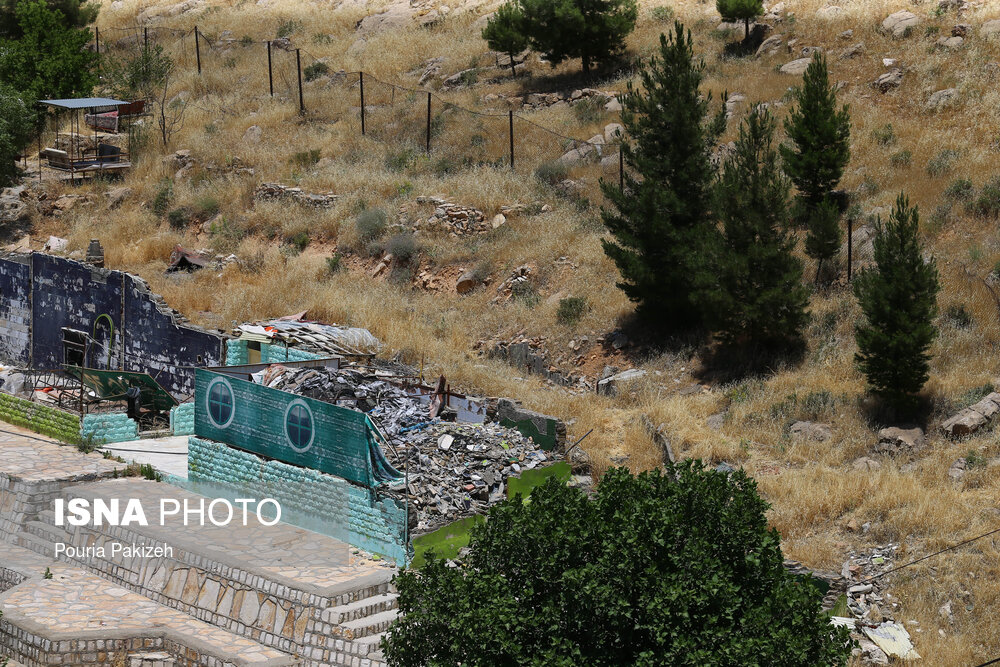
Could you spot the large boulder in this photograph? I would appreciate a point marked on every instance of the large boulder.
(895, 441)
(972, 418)
(888, 81)
(900, 24)
(796, 67)
(942, 98)
(770, 46)
(990, 28)
(817, 432)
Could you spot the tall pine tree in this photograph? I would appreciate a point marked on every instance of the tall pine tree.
(592, 30)
(759, 298)
(740, 10)
(823, 234)
(898, 297)
(821, 136)
(661, 224)
(504, 32)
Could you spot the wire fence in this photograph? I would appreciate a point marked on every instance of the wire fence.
(408, 120)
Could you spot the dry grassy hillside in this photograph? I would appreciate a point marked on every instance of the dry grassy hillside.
(820, 499)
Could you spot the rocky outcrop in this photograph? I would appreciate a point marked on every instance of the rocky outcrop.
(973, 418)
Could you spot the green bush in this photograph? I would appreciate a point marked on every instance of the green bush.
(299, 241)
(206, 206)
(960, 188)
(589, 110)
(371, 223)
(524, 292)
(403, 247)
(288, 27)
(987, 202)
(246, 40)
(334, 264)
(400, 160)
(884, 135)
(315, 71)
(179, 218)
(161, 202)
(552, 173)
(901, 159)
(942, 163)
(662, 14)
(305, 159)
(959, 316)
(571, 309)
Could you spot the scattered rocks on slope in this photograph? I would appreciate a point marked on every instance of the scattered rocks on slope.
(990, 28)
(852, 51)
(957, 469)
(455, 219)
(952, 42)
(770, 46)
(12, 205)
(973, 418)
(895, 441)
(900, 24)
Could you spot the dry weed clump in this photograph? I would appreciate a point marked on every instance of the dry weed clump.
(814, 487)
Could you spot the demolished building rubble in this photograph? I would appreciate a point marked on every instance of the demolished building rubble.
(453, 469)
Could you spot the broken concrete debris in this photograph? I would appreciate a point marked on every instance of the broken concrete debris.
(611, 386)
(972, 418)
(454, 470)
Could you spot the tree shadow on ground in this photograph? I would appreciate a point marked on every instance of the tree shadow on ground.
(724, 364)
(879, 413)
(551, 82)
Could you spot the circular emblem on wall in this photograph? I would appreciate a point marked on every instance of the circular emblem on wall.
(300, 428)
(220, 403)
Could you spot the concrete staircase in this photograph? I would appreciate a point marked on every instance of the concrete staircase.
(355, 628)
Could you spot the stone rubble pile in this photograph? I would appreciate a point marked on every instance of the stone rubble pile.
(455, 219)
(277, 192)
(607, 98)
(459, 470)
(518, 277)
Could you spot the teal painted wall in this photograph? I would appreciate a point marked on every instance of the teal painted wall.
(237, 353)
(104, 428)
(340, 437)
(182, 419)
(310, 499)
(55, 423)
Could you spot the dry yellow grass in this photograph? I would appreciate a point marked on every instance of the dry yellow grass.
(812, 487)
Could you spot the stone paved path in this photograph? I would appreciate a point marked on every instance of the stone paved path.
(167, 455)
(33, 457)
(74, 604)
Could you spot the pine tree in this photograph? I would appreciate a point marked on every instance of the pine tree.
(504, 32)
(592, 30)
(821, 137)
(740, 10)
(661, 224)
(898, 297)
(823, 236)
(760, 297)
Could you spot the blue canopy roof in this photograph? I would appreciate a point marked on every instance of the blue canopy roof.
(83, 103)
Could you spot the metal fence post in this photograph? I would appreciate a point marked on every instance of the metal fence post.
(428, 122)
(621, 168)
(850, 244)
(362, 75)
(145, 38)
(97, 39)
(270, 73)
(510, 118)
(197, 49)
(298, 67)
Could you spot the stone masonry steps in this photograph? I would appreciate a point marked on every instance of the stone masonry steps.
(367, 626)
(40, 545)
(360, 608)
(47, 531)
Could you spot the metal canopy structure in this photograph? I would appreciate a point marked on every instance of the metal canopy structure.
(83, 103)
(111, 385)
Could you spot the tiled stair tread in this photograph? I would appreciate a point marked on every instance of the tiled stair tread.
(360, 608)
(370, 625)
(74, 602)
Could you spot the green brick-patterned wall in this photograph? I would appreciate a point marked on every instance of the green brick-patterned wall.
(257, 423)
(308, 498)
(103, 428)
(237, 353)
(55, 423)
